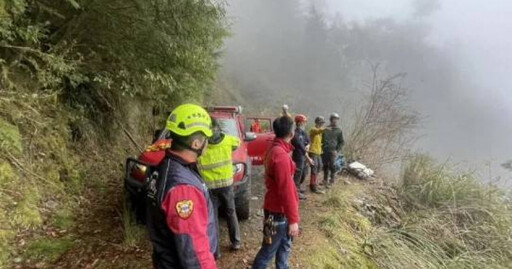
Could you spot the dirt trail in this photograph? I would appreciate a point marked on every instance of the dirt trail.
(252, 231)
(99, 242)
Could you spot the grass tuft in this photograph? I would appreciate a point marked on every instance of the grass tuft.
(134, 234)
(64, 219)
(345, 231)
(5, 248)
(451, 221)
(437, 218)
(10, 138)
(48, 250)
(26, 213)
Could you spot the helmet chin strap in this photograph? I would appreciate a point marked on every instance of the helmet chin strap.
(201, 150)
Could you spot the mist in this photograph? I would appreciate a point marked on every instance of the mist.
(317, 56)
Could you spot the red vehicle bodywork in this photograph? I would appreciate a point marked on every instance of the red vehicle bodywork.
(249, 152)
(254, 150)
(240, 157)
(258, 147)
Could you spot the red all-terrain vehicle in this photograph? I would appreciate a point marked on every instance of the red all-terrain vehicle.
(250, 152)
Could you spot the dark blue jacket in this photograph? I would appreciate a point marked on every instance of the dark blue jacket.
(181, 221)
(300, 141)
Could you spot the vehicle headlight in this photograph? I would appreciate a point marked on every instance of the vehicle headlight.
(238, 168)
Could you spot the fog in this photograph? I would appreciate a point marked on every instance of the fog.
(316, 56)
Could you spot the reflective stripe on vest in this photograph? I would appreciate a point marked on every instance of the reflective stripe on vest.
(216, 165)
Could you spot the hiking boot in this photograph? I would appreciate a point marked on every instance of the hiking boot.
(317, 191)
(302, 196)
(236, 246)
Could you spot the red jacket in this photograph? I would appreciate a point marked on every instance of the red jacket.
(181, 219)
(256, 127)
(281, 195)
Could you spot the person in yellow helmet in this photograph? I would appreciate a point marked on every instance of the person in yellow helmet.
(181, 220)
(216, 167)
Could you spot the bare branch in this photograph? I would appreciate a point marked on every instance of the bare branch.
(383, 127)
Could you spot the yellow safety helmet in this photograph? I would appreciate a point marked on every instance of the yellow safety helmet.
(187, 119)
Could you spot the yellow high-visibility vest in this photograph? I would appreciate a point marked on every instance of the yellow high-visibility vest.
(216, 164)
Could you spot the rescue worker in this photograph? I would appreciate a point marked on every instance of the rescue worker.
(332, 144)
(256, 126)
(285, 111)
(216, 168)
(281, 204)
(181, 220)
(315, 152)
(300, 143)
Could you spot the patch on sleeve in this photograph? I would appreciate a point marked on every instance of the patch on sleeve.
(185, 208)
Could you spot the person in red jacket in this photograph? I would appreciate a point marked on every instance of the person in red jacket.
(256, 126)
(181, 220)
(281, 204)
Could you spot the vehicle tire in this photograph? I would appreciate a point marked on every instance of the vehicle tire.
(243, 201)
(135, 203)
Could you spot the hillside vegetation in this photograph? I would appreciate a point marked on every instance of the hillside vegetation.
(433, 218)
(82, 85)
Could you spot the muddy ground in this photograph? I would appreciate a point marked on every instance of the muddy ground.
(99, 237)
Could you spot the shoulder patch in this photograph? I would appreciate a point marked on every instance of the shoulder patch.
(185, 208)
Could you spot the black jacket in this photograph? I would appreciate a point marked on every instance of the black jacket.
(300, 141)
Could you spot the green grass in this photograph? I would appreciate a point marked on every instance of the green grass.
(133, 233)
(10, 138)
(26, 212)
(345, 230)
(37, 164)
(5, 248)
(451, 220)
(7, 177)
(48, 249)
(447, 220)
(64, 219)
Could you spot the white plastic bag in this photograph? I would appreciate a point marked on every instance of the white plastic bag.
(360, 170)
